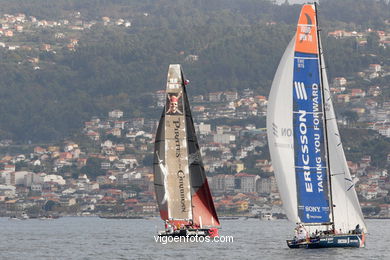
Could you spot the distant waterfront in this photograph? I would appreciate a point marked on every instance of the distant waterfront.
(96, 238)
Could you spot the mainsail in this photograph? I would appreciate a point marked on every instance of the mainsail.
(347, 211)
(181, 185)
(303, 136)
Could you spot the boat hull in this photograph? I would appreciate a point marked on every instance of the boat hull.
(187, 232)
(347, 240)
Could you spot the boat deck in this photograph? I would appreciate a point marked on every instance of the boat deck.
(342, 240)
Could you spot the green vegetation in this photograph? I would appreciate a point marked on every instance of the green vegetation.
(360, 142)
(117, 67)
(93, 168)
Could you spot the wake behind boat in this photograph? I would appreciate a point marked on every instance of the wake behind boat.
(310, 167)
(182, 191)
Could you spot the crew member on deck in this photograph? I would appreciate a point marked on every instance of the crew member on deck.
(357, 229)
(166, 225)
(302, 234)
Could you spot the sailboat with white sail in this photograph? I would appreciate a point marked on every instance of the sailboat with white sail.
(182, 190)
(307, 154)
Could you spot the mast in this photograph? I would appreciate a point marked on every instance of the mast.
(186, 107)
(171, 169)
(324, 120)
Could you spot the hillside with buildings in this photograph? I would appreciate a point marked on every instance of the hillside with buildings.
(106, 168)
(81, 95)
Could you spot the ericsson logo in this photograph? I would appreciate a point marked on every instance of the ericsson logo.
(300, 90)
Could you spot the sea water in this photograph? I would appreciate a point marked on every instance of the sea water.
(97, 238)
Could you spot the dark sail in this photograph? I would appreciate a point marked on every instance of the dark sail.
(159, 155)
(203, 209)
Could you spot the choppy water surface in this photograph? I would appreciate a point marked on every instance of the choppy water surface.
(96, 238)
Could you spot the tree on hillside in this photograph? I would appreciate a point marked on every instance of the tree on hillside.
(93, 168)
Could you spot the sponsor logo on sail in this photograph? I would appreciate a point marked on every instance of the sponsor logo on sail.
(286, 131)
(305, 150)
(304, 34)
(317, 136)
(300, 90)
(312, 209)
(308, 132)
(194, 158)
(275, 129)
(308, 216)
(181, 176)
(177, 137)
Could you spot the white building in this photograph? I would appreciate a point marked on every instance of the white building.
(224, 138)
(13, 178)
(115, 113)
(54, 178)
(203, 129)
(7, 191)
(246, 182)
(32, 178)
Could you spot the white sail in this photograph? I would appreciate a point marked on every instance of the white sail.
(347, 211)
(280, 132)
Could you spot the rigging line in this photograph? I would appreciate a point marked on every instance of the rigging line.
(353, 184)
(326, 142)
(345, 199)
(334, 174)
(340, 143)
